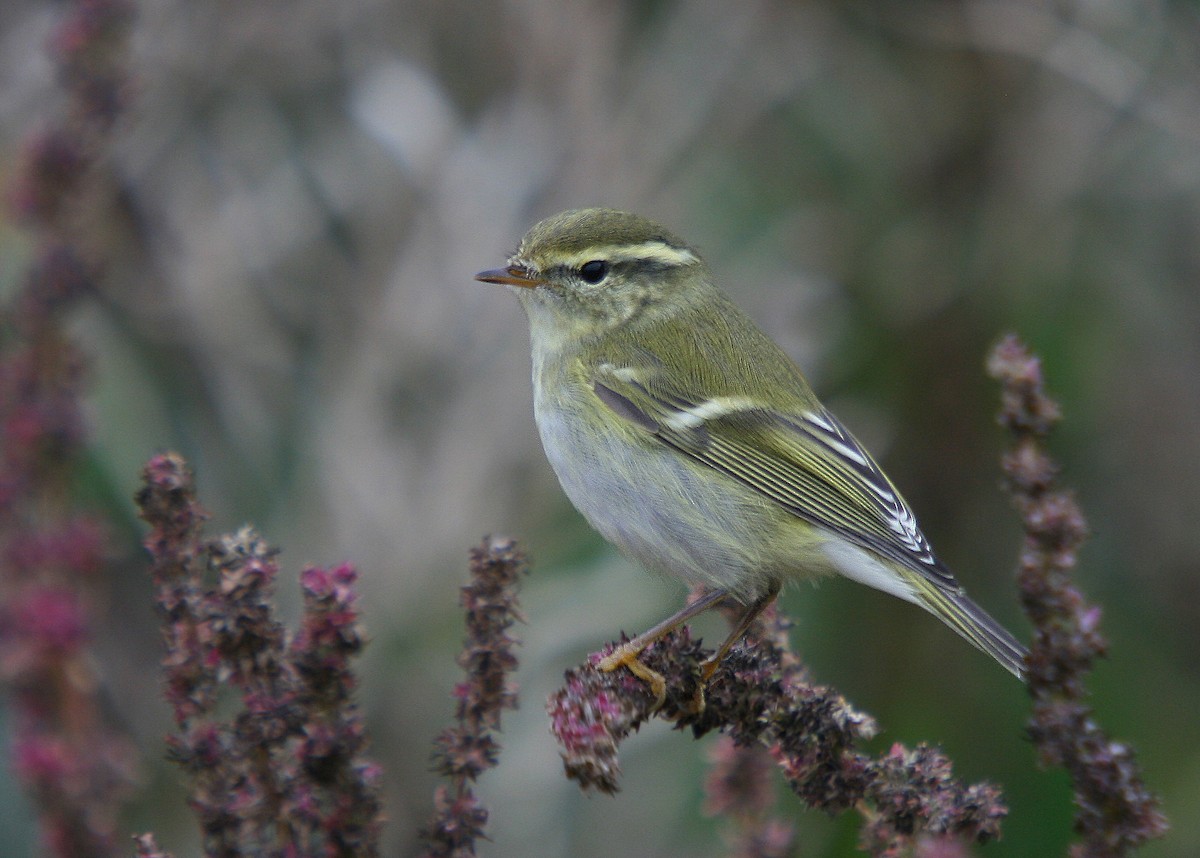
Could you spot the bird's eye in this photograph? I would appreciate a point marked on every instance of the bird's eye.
(593, 272)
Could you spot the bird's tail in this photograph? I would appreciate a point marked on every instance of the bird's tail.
(956, 610)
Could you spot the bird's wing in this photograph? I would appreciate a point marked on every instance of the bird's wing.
(807, 462)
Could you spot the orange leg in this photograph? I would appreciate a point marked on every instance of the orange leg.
(627, 654)
(711, 663)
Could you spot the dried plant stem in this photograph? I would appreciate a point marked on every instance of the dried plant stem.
(760, 696)
(287, 773)
(1117, 813)
(74, 765)
(466, 750)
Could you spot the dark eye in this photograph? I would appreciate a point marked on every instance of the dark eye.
(594, 271)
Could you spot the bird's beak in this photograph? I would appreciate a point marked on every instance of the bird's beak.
(513, 275)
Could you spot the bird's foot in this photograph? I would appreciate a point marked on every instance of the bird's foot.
(626, 655)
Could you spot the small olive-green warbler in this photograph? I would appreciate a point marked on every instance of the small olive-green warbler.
(690, 441)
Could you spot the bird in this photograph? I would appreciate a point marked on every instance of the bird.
(690, 440)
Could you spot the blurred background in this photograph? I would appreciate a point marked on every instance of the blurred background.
(302, 191)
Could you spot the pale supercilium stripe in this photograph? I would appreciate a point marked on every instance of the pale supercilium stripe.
(647, 251)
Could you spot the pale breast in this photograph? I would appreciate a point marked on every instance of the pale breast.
(665, 511)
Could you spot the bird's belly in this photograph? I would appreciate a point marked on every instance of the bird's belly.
(668, 512)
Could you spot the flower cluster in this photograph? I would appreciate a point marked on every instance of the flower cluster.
(469, 748)
(740, 788)
(1117, 812)
(287, 772)
(761, 698)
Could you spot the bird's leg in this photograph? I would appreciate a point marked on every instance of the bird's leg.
(626, 655)
(710, 664)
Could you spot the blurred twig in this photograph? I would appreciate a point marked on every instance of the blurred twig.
(74, 765)
(1116, 811)
(741, 788)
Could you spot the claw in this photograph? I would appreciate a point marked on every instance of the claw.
(707, 668)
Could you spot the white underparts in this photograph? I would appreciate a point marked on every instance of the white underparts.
(860, 565)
